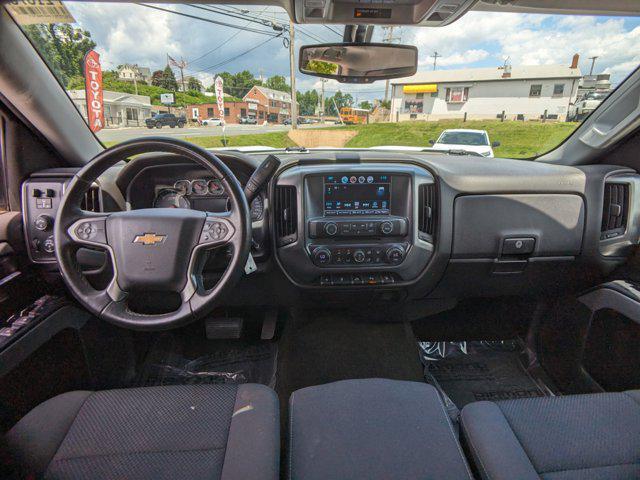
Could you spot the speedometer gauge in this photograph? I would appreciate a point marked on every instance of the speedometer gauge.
(183, 187)
(170, 198)
(215, 187)
(199, 187)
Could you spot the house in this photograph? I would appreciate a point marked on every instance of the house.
(276, 103)
(129, 73)
(233, 111)
(120, 109)
(527, 92)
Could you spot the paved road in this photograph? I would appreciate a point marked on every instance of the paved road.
(121, 134)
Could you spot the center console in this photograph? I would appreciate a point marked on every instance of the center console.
(356, 225)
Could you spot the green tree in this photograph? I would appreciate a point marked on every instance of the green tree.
(62, 46)
(385, 104)
(194, 85)
(169, 79)
(156, 78)
(340, 100)
(308, 102)
(366, 105)
(237, 84)
(278, 82)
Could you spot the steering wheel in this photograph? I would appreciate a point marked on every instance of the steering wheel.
(151, 249)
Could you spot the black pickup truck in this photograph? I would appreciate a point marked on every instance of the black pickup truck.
(162, 119)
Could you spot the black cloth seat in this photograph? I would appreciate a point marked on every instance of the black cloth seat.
(170, 432)
(372, 429)
(587, 437)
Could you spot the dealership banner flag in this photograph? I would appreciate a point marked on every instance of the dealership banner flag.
(93, 90)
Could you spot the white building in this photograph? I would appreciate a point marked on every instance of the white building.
(521, 92)
(129, 73)
(120, 109)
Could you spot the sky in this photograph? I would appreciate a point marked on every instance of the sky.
(130, 33)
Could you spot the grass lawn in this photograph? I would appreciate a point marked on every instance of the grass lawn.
(517, 139)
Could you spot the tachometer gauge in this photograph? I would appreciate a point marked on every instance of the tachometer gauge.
(215, 187)
(170, 198)
(257, 208)
(199, 187)
(183, 187)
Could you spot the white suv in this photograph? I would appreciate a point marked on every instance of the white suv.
(476, 141)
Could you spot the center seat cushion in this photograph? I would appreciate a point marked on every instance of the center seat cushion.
(372, 429)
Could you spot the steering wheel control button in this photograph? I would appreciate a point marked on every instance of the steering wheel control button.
(213, 231)
(518, 246)
(91, 231)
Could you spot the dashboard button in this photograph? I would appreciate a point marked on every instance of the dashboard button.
(322, 256)
(395, 255)
(42, 223)
(386, 228)
(359, 256)
(330, 229)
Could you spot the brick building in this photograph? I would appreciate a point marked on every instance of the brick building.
(276, 103)
(233, 111)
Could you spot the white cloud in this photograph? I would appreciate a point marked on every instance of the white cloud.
(533, 40)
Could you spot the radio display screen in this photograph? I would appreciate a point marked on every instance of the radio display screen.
(357, 194)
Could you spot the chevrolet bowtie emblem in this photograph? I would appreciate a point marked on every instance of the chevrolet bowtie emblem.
(149, 239)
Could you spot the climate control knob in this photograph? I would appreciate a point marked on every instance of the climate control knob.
(330, 229)
(395, 255)
(386, 228)
(359, 256)
(322, 256)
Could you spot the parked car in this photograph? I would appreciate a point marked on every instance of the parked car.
(476, 141)
(162, 119)
(587, 104)
(213, 122)
(248, 120)
(299, 121)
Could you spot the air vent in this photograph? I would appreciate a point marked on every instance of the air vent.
(91, 201)
(428, 205)
(286, 215)
(615, 210)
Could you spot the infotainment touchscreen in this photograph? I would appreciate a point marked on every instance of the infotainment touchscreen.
(357, 194)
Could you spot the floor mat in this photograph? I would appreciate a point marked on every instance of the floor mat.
(175, 360)
(467, 372)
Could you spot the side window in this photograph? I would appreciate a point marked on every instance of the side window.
(558, 89)
(535, 91)
(3, 185)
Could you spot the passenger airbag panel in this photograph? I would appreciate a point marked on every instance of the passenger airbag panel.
(482, 222)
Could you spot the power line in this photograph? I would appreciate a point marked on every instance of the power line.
(331, 29)
(215, 22)
(222, 44)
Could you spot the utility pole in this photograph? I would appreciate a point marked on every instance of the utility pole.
(135, 78)
(323, 81)
(593, 62)
(388, 38)
(181, 66)
(292, 66)
(435, 58)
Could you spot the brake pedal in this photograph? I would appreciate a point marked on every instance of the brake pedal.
(224, 328)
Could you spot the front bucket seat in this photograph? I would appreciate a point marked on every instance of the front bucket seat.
(170, 432)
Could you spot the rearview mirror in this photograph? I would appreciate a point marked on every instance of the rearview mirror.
(358, 62)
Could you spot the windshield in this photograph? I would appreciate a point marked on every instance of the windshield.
(516, 79)
(463, 138)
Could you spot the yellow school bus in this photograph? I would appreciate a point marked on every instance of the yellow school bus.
(352, 116)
